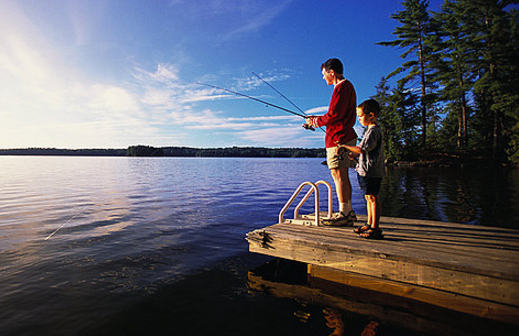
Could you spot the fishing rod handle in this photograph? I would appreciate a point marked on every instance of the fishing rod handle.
(308, 127)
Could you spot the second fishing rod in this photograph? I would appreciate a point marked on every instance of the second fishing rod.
(302, 114)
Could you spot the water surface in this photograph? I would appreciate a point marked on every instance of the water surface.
(106, 246)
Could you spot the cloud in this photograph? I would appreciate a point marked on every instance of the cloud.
(234, 18)
(317, 110)
(44, 101)
(182, 102)
(267, 118)
(256, 16)
(281, 137)
(48, 101)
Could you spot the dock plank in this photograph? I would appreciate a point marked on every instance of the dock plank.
(473, 261)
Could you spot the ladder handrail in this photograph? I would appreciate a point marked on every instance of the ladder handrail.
(330, 199)
(313, 187)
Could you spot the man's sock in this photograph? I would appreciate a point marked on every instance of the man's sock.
(342, 208)
(349, 207)
(345, 207)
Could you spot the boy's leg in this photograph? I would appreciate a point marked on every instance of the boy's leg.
(374, 208)
(370, 210)
(378, 210)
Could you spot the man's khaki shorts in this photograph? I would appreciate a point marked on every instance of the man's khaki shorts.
(343, 160)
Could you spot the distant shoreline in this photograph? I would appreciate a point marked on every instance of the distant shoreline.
(441, 160)
(149, 151)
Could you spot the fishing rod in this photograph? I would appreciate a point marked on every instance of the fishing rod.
(302, 115)
(291, 102)
(282, 95)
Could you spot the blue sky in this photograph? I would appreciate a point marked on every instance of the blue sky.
(115, 73)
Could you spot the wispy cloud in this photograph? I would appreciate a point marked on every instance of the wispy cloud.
(281, 136)
(257, 17)
(45, 102)
(235, 18)
(268, 118)
(317, 110)
(48, 101)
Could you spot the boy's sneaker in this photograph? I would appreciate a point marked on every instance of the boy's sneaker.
(340, 219)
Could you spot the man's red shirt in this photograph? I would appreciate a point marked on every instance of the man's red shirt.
(341, 115)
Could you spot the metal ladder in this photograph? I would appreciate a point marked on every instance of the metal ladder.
(307, 219)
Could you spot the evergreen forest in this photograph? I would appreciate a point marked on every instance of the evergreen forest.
(456, 91)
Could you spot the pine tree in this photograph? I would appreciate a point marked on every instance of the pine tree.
(453, 65)
(386, 116)
(513, 111)
(412, 34)
(492, 34)
(401, 121)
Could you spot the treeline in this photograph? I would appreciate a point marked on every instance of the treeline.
(173, 151)
(457, 89)
(63, 152)
(225, 152)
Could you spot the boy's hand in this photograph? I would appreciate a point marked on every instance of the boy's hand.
(339, 150)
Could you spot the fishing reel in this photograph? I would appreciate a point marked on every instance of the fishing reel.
(308, 127)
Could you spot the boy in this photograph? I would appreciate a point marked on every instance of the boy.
(339, 122)
(370, 167)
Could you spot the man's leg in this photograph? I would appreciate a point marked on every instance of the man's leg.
(339, 170)
(346, 215)
(343, 188)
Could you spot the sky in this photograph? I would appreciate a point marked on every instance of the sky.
(117, 73)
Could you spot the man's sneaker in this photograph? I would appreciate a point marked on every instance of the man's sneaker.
(340, 219)
(352, 216)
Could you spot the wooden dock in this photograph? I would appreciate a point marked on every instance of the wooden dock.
(465, 268)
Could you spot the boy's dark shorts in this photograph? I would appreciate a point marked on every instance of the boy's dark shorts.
(369, 185)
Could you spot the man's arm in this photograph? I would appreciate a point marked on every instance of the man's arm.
(337, 109)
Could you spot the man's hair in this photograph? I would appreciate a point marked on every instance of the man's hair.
(370, 106)
(333, 64)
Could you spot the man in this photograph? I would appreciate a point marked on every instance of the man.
(339, 122)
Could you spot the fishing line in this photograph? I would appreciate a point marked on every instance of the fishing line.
(62, 225)
(297, 107)
(253, 98)
(302, 114)
(286, 98)
(282, 95)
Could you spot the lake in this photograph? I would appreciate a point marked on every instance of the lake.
(156, 246)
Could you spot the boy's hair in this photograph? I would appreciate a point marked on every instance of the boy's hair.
(370, 106)
(333, 64)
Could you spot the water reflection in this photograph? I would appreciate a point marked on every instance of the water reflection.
(334, 321)
(132, 227)
(350, 310)
(472, 195)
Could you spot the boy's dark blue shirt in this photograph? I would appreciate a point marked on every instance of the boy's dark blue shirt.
(371, 161)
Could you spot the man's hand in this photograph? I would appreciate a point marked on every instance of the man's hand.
(309, 121)
(309, 124)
